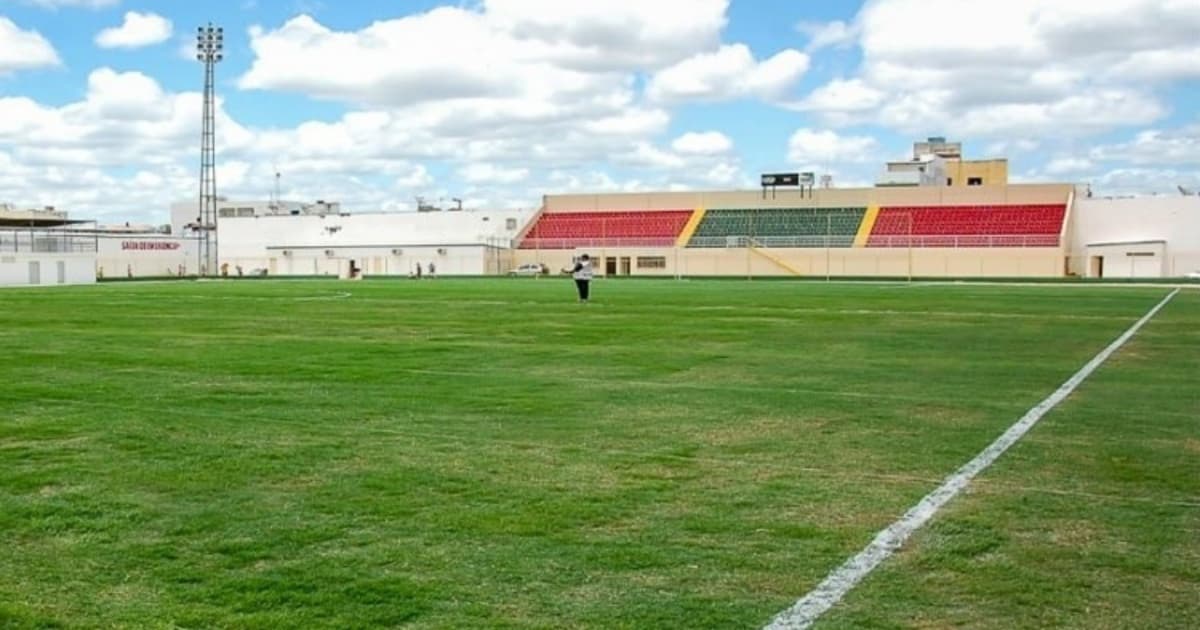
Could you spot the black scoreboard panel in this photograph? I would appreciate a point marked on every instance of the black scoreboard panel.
(781, 179)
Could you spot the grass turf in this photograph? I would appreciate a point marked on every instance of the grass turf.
(694, 454)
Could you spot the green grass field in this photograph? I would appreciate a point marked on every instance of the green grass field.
(488, 453)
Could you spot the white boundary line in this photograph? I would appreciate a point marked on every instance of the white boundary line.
(340, 295)
(830, 591)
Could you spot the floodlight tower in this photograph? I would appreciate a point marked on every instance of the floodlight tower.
(210, 46)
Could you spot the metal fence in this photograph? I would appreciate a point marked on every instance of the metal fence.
(576, 243)
(820, 241)
(806, 241)
(951, 240)
(46, 241)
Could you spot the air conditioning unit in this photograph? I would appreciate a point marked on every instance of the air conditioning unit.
(441, 251)
(397, 252)
(329, 252)
(287, 252)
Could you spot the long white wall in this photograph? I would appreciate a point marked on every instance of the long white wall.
(1174, 220)
(142, 255)
(458, 243)
(42, 269)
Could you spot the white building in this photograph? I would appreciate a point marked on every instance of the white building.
(1135, 237)
(470, 242)
(186, 213)
(39, 247)
(926, 170)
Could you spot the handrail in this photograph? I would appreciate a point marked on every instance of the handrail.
(46, 241)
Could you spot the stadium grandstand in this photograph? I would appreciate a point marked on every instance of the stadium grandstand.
(1007, 230)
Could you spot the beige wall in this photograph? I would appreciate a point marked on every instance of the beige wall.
(827, 198)
(992, 172)
(884, 262)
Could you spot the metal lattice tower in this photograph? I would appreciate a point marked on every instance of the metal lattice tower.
(210, 44)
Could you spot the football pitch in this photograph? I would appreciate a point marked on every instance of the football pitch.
(488, 453)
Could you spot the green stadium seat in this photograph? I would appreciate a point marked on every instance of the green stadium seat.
(778, 227)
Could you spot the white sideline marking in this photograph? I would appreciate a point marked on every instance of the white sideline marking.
(340, 295)
(830, 591)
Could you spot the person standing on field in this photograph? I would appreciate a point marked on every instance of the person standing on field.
(582, 272)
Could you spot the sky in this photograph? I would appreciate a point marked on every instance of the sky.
(498, 102)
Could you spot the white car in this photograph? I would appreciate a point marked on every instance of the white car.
(1194, 275)
(530, 269)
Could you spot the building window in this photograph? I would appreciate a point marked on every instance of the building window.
(652, 262)
(949, 181)
(245, 212)
(974, 181)
(227, 212)
(510, 224)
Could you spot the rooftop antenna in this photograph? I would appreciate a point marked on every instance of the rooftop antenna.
(457, 201)
(275, 200)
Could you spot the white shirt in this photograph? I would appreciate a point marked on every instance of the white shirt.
(583, 270)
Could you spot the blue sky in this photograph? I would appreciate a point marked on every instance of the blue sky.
(501, 101)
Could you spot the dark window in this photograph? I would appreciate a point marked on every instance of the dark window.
(949, 181)
(652, 262)
(974, 181)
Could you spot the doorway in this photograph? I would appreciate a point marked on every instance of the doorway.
(610, 266)
(625, 265)
(1096, 268)
(35, 272)
(62, 272)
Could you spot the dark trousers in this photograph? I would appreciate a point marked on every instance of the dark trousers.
(582, 285)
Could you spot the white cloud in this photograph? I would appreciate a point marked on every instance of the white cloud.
(1008, 147)
(1174, 147)
(827, 34)
(646, 155)
(1140, 180)
(824, 147)
(705, 143)
(523, 54)
(1064, 68)
(727, 73)
(611, 35)
(848, 96)
(23, 50)
(138, 29)
(492, 174)
(1068, 166)
(417, 178)
(62, 155)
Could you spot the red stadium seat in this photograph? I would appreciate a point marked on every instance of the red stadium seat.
(623, 228)
(968, 226)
